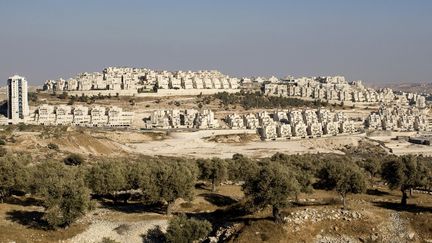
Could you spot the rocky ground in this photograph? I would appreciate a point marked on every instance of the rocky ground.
(106, 224)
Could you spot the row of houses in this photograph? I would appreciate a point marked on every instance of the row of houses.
(131, 81)
(397, 118)
(294, 123)
(187, 118)
(338, 89)
(96, 116)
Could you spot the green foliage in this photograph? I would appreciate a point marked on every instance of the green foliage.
(405, 173)
(73, 159)
(3, 151)
(214, 170)
(240, 167)
(107, 177)
(271, 186)
(184, 230)
(53, 146)
(63, 96)
(371, 165)
(108, 240)
(14, 176)
(343, 176)
(302, 166)
(65, 195)
(2, 142)
(165, 181)
(259, 100)
(32, 96)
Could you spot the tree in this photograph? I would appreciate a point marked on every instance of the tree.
(214, 170)
(342, 176)
(240, 167)
(74, 159)
(371, 165)
(167, 181)
(273, 185)
(405, 173)
(107, 178)
(14, 176)
(184, 230)
(65, 196)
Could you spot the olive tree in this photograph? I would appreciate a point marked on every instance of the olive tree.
(107, 178)
(344, 177)
(241, 167)
(271, 186)
(65, 195)
(214, 170)
(14, 176)
(183, 230)
(405, 173)
(167, 181)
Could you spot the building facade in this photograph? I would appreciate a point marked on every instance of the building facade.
(18, 109)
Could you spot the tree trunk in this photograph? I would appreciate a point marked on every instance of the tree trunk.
(404, 198)
(276, 215)
(213, 185)
(411, 192)
(344, 201)
(169, 208)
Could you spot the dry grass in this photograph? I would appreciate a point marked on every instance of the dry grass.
(19, 224)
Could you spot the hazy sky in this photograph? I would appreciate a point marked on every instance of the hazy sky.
(373, 40)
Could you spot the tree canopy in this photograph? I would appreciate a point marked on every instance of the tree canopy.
(405, 173)
(343, 176)
(184, 230)
(271, 186)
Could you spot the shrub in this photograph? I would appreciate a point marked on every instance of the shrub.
(74, 159)
(53, 146)
(65, 196)
(184, 230)
(2, 142)
(108, 240)
(3, 151)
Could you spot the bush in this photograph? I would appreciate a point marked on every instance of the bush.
(184, 230)
(65, 196)
(2, 142)
(74, 159)
(14, 177)
(3, 152)
(108, 240)
(258, 100)
(53, 146)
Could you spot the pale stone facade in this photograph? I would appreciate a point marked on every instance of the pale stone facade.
(132, 81)
(18, 108)
(79, 115)
(189, 118)
(337, 89)
(397, 118)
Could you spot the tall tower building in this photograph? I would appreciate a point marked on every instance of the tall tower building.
(18, 109)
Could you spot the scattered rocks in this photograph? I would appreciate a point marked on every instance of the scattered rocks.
(335, 239)
(314, 215)
(225, 232)
(132, 233)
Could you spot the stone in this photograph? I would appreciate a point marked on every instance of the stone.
(411, 235)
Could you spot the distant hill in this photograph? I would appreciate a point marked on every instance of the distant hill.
(410, 87)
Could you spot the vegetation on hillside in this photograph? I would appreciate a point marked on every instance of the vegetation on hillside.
(67, 190)
(257, 100)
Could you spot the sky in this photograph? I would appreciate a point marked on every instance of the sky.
(378, 41)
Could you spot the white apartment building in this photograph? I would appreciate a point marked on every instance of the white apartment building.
(18, 109)
(79, 115)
